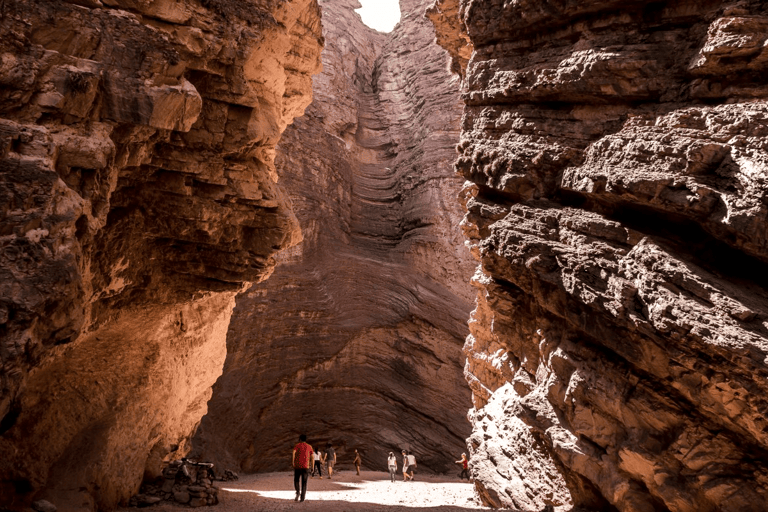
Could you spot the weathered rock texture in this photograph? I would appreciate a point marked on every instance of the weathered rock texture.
(618, 157)
(137, 195)
(356, 338)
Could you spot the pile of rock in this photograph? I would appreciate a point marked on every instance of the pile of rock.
(181, 483)
(229, 475)
(198, 495)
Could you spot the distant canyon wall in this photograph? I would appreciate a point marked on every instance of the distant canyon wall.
(356, 338)
(137, 196)
(618, 356)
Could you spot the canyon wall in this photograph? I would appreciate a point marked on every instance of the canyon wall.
(356, 338)
(137, 196)
(618, 162)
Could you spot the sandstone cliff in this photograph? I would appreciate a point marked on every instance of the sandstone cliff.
(356, 338)
(618, 162)
(137, 195)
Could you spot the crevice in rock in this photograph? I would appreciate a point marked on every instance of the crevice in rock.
(9, 419)
(689, 239)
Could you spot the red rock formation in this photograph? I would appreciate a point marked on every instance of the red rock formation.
(618, 355)
(356, 337)
(137, 195)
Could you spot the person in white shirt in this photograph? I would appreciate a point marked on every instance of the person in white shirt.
(411, 465)
(392, 464)
(318, 464)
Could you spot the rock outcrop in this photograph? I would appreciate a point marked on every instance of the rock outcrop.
(356, 338)
(618, 161)
(137, 196)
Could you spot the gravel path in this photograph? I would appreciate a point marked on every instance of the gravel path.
(371, 491)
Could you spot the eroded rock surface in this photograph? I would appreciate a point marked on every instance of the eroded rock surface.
(137, 196)
(356, 338)
(618, 159)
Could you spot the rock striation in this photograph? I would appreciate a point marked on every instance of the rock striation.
(617, 160)
(356, 338)
(137, 196)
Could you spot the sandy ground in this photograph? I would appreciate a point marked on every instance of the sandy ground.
(371, 491)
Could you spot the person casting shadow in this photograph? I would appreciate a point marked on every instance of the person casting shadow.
(330, 459)
(358, 461)
(301, 460)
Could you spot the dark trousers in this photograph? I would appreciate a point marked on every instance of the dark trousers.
(300, 474)
(464, 474)
(318, 468)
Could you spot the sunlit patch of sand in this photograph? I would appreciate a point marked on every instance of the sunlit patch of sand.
(347, 491)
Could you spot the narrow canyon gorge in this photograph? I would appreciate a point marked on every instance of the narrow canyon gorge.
(356, 337)
(530, 230)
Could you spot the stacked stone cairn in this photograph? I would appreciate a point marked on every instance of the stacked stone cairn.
(182, 482)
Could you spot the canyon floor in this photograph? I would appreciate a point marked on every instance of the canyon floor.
(371, 491)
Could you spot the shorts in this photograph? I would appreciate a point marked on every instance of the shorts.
(329, 463)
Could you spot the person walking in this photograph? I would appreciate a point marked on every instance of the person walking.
(318, 466)
(330, 459)
(405, 466)
(358, 461)
(411, 465)
(392, 465)
(464, 466)
(301, 460)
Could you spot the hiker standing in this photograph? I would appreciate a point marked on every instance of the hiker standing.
(358, 461)
(464, 466)
(392, 465)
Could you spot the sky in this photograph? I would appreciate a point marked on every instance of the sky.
(382, 15)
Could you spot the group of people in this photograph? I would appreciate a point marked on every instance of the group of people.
(325, 458)
(306, 461)
(409, 465)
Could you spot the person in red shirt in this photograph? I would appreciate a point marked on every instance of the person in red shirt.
(464, 466)
(301, 460)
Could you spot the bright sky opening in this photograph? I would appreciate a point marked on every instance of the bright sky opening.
(381, 15)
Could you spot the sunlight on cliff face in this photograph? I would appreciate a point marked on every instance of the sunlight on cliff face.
(381, 15)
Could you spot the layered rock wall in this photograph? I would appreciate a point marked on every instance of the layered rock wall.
(356, 338)
(137, 195)
(617, 155)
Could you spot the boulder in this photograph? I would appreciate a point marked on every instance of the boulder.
(181, 496)
(43, 506)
